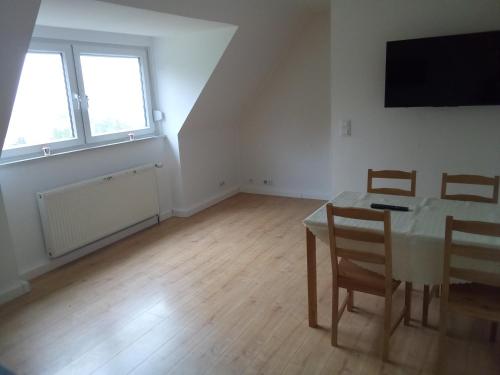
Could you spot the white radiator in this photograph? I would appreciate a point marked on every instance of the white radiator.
(79, 214)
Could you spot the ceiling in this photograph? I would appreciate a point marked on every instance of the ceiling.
(231, 11)
(162, 17)
(103, 16)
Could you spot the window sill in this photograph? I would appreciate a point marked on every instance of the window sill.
(28, 158)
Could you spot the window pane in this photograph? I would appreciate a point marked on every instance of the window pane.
(41, 111)
(115, 93)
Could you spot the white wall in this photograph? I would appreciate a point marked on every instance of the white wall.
(209, 161)
(184, 63)
(209, 140)
(9, 275)
(430, 140)
(285, 135)
(11, 284)
(16, 25)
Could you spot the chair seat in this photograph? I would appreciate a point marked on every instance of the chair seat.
(357, 278)
(478, 300)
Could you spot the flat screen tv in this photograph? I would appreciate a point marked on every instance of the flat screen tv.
(458, 70)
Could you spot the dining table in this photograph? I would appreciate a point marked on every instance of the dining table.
(417, 236)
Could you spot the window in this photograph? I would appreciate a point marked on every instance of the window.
(72, 95)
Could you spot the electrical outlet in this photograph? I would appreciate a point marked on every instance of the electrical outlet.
(268, 181)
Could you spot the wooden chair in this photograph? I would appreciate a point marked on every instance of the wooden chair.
(388, 174)
(412, 177)
(459, 179)
(352, 277)
(479, 298)
(470, 180)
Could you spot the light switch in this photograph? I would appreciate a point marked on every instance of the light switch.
(345, 128)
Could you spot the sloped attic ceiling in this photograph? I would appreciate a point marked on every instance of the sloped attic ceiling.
(229, 11)
(15, 33)
(265, 29)
(108, 17)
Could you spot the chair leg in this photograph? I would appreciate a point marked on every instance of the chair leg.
(387, 327)
(493, 331)
(350, 300)
(408, 291)
(335, 315)
(425, 305)
(443, 324)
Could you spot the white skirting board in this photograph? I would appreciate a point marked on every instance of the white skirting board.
(13, 291)
(186, 212)
(166, 215)
(251, 189)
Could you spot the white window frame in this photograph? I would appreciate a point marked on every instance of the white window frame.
(71, 87)
(70, 52)
(115, 51)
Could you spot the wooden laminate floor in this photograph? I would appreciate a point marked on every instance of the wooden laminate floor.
(222, 292)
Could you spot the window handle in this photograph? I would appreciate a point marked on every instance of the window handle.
(82, 101)
(76, 101)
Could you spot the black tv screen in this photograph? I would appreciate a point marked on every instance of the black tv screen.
(456, 70)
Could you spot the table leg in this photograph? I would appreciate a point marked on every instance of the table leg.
(408, 291)
(425, 305)
(493, 331)
(311, 279)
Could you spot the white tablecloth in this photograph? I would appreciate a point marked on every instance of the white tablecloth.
(417, 235)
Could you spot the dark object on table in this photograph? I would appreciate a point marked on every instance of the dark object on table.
(388, 207)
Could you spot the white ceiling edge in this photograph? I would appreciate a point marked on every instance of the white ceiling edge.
(108, 17)
(238, 12)
(317, 5)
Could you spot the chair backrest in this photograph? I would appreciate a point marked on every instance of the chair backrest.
(360, 236)
(470, 180)
(474, 252)
(391, 174)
